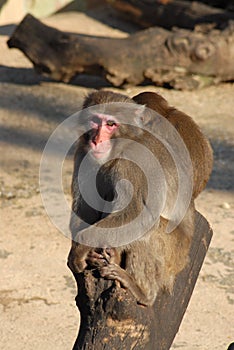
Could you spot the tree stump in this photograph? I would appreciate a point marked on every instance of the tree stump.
(111, 318)
(182, 59)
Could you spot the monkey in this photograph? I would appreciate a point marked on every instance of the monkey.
(151, 262)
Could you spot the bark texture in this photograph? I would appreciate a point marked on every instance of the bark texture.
(181, 59)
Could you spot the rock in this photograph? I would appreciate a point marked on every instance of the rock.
(225, 205)
(9, 195)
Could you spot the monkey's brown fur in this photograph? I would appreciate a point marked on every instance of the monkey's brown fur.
(198, 146)
(153, 261)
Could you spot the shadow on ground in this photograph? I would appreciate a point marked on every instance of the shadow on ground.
(28, 76)
(60, 107)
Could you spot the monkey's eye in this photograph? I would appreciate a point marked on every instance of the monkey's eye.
(111, 123)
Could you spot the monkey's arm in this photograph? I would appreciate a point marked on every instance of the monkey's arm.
(85, 220)
(113, 271)
(80, 255)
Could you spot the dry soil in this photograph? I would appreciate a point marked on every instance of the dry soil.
(37, 307)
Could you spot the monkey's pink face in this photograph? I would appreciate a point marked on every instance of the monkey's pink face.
(103, 127)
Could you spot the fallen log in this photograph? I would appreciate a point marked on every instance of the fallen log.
(170, 13)
(111, 318)
(181, 59)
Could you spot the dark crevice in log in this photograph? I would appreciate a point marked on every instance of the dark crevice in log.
(167, 14)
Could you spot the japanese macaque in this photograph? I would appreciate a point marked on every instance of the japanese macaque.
(151, 262)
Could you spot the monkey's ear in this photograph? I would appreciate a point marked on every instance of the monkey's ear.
(139, 115)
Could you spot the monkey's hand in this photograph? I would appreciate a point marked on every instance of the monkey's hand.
(102, 257)
(80, 257)
(111, 255)
(113, 271)
(96, 258)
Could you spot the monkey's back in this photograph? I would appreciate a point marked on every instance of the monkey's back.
(197, 144)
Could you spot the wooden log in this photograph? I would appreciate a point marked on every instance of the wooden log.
(111, 318)
(170, 13)
(181, 59)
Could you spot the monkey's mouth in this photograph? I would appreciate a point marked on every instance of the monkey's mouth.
(100, 150)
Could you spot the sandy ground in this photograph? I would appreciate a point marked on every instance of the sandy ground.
(36, 288)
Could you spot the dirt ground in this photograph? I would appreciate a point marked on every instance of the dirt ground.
(37, 290)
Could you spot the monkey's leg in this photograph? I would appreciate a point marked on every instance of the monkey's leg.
(81, 256)
(77, 257)
(113, 271)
